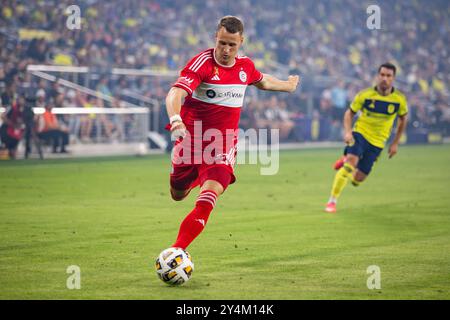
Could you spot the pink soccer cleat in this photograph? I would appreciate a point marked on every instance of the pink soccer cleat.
(340, 162)
(331, 207)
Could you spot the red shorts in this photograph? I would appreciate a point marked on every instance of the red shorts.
(194, 162)
(184, 177)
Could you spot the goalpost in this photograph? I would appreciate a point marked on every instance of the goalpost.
(97, 131)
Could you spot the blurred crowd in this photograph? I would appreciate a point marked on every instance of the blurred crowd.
(327, 42)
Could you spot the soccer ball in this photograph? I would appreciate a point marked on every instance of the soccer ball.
(174, 266)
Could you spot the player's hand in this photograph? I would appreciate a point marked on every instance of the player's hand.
(178, 130)
(348, 138)
(293, 83)
(393, 150)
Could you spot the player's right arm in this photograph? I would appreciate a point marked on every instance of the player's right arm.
(401, 126)
(348, 120)
(174, 100)
(190, 77)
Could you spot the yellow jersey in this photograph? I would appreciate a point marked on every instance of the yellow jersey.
(378, 114)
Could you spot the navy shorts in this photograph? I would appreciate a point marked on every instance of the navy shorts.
(366, 152)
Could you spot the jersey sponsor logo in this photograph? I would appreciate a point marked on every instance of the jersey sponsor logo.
(210, 93)
(231, 94)
(380, 107)
(243, 76)
(222, 95)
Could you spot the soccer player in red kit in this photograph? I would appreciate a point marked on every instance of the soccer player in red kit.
(213, 85)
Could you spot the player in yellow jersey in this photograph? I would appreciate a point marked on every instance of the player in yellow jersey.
(378, 107)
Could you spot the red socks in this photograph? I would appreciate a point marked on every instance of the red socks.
(196, 220)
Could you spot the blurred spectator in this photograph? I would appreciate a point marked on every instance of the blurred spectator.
(339, 100)
(86, 121)
(13, 127)
(102, 86)
(50, 130)
(9, 96)
(40, 98)
(106, 125)
(280, 117)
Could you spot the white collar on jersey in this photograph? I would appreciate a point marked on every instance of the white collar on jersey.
(214, 55)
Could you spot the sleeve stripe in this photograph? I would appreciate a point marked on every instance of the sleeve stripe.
(198, 58)
(197, 61)
(201, 63)
(189, 90)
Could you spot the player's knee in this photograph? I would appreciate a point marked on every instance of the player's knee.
(178, 198)
(347, 169)
(356, 183)
(219, 175)
(358, 178)
(351, 161)
(178, 195)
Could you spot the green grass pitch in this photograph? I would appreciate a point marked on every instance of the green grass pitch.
(268, 237)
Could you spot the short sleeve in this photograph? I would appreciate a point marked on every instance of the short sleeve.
(188, 80)
(403, 110)
(255, 76)
(357, 103)
(193, 73)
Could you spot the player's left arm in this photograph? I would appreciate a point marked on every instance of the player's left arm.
(393, 148)
(272, 83)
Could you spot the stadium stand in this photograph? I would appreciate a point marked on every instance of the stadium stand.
(326, 42)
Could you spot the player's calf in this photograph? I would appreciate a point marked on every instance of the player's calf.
(196, 220)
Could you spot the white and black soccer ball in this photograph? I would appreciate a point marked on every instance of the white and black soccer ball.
(174, 266)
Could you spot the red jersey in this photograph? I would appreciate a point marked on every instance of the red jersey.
(215, 92)
(215, 97)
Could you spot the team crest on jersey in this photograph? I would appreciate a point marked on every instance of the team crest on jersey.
(391, 109)
(243, 76)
